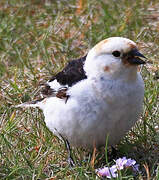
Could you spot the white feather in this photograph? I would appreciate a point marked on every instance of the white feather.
(55, 85)
(107, 103)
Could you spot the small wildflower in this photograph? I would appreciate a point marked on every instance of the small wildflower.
(108, 172)
(130, 162)
(121, 163)
(136, 168)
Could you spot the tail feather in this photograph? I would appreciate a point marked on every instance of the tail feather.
(36, 103)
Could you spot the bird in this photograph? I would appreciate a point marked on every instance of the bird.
(97, 96)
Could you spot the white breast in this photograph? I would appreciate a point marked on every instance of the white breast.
(94, 110)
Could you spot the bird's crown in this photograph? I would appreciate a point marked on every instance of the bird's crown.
(123, 45)
(112, 55)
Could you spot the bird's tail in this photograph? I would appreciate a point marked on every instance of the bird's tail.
(36, 103)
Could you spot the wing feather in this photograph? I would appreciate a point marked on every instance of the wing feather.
(69, 76)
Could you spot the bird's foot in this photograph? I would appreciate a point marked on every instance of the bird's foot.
(71, 162)
(70, 159)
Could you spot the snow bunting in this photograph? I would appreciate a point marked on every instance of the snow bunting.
(96, 96)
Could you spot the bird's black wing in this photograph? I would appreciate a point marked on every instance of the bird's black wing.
(72, 73)
(69, 76)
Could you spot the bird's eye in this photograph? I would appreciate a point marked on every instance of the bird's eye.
(116, 53)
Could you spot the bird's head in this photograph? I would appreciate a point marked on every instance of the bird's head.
(113, 57)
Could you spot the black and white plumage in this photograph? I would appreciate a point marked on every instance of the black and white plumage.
(98, 95)
(70, 75)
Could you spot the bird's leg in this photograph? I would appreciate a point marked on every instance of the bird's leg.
(68, 147)
(70, 158)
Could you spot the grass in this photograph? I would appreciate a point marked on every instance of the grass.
(37, 38)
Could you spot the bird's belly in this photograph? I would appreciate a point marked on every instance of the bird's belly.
(87, 124)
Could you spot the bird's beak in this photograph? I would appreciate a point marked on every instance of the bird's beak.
(134, 57)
